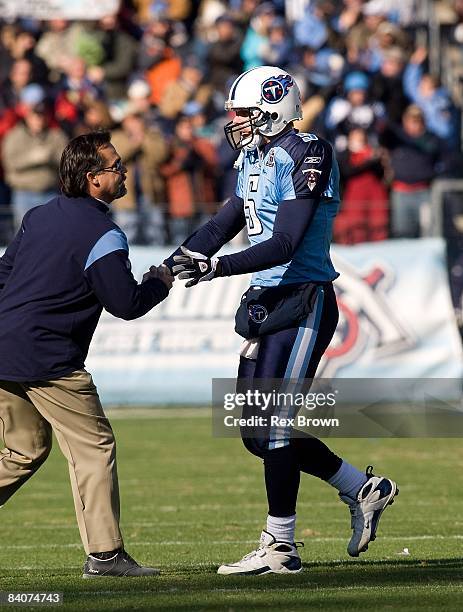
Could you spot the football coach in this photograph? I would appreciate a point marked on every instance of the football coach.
(67, 262)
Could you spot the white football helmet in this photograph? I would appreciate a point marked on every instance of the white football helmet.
(272, 98)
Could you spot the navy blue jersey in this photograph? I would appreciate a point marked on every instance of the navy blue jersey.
(67, 262)
(294, 166)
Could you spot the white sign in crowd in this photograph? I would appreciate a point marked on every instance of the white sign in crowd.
(57, 9)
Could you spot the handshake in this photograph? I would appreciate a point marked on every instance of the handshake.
(193, 266)
(162, 273)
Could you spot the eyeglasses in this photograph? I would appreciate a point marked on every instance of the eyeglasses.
(116, 167)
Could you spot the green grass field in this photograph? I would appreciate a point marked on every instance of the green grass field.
(191, 501)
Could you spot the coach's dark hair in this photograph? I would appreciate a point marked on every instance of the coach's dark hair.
(81, 155)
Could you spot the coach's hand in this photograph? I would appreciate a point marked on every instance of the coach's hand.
(161, 272)
(195, 266)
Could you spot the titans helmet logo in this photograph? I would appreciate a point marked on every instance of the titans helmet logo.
(275, 89)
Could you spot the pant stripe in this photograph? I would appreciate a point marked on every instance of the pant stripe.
(297, 367)
(305, 341)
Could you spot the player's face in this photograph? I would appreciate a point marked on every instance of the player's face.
(241, 119)
(239, 130)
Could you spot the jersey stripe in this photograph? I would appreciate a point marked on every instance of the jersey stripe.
(114, 240)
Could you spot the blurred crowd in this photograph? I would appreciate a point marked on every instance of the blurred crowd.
(157, 74)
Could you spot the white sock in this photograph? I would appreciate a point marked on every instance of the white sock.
(282, 527)
(348, 480)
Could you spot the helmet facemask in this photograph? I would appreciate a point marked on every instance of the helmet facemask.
(234, 131)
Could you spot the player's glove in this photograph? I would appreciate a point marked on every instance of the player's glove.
(195, 266)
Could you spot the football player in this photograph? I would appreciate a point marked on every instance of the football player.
(287, 195)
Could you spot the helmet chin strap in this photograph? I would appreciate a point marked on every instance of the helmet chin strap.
(256, 141)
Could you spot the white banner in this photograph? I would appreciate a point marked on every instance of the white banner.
(57, 9)
(396, 321)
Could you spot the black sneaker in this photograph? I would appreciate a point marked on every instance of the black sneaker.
(121, 564)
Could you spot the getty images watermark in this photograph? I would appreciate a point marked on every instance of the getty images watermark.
(271, 405)
(277, 409)
(343, 408)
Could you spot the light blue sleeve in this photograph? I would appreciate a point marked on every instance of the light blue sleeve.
(284, 176)
(411, 80)
(114, 240)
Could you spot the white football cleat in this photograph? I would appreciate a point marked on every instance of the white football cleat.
(271, 557)
(372, 499)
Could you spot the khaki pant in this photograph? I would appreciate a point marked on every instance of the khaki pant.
(69, 406)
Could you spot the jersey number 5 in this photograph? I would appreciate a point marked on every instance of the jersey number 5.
(252, 220)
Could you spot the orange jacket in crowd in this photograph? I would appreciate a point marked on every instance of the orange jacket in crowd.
(191, 187)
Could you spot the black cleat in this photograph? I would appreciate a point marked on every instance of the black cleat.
(121, 564)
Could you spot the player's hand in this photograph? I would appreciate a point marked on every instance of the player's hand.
(194, 266)
(161, 272)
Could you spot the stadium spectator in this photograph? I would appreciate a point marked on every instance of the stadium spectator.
(190, 85)
(357, 39)
(139, 101)
(355, 109)
(403, 12)
(243, 11)
(119, 58)
(279, 48)
(199, 122)
(257, 39)
(138, 94)
(73, 93)
(364, 212)
(423, 89)
(386, 86)
(157, 58)
(414, 153)
(456, 31)
(322, 70)
(31, 155)
(317, 74)
(7, 34)
(21, 46)
(312, 30)
(165, 57)
(140, 213)
(452, 57)
(190, 174)
(387, 36)
(349, 15)
(15, 92)
(19, 76)
(227, 173)
(57, 42)
(97, 116)
(223, 56)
